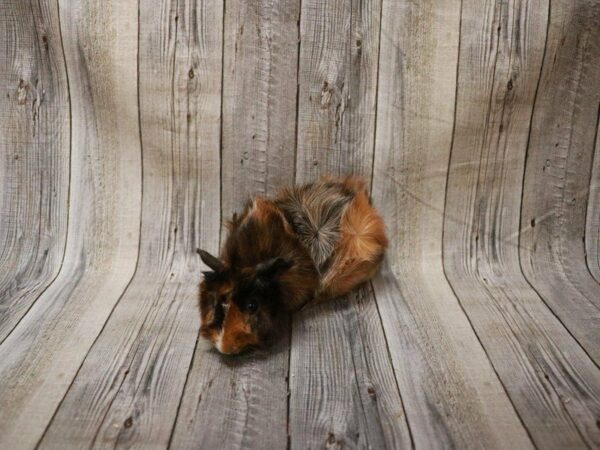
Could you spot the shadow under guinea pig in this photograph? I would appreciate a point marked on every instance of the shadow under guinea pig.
(312, 329)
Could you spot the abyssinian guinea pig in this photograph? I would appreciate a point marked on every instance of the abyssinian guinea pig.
(308, 244)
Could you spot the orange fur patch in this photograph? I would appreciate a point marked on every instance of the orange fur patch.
(262, 209)
(355, 183)
(361, 247)
(362, 230)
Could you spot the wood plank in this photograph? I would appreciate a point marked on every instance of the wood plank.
(259, 98)
(342, 387)
(241, 401)
(552, 383)
(451, 394)
(34, 166)
(39, 359)
(343, 393)
(592, 230)
(337, 82)
(558, 170)
(128, 391)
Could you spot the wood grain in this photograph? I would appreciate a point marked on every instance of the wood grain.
(129, 132)
(558, 170)
(132, 380)
(451, 394)
(245, 398)
(343, 393)
(34, 161)
(529, 349)
(337, 87)
(259, 98)
(592, 230)
(342, 387)
(48, 345)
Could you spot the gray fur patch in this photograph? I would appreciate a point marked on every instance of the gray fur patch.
(315, 211)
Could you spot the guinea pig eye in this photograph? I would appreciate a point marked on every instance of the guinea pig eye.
(251, 306)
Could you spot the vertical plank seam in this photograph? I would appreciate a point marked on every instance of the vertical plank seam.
(289, 364)
(370, 285)
(353, 307)
(159, 295)
(127, 371)
(376, 99)
(389, 355)
(588, 207)
(299, 25)
(535, 98)
(444, 232)
(139, 236)
(62, 261)
(174, 194)
(352, 350)
(486, 132)
(221, 126)
(193, 358)
(38, 55)
(559, 257)
(387, 345)
(193, 354)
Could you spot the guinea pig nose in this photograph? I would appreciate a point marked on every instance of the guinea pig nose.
(228, 350)
(226, 347)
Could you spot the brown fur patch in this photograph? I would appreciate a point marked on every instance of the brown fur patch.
(264, 209)
(236, 334)
(206, 311)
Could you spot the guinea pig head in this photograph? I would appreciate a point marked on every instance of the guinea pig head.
(241, 309)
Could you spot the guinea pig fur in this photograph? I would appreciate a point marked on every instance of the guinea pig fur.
(308, 244)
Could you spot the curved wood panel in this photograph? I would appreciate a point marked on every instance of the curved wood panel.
(51, 341)
(530, 350)
(34, 149)
(259, 98)
(245, 398)
(129, 132)
(558, 170)
(337, 83)
(127, 393)
(451, 394)
(592, 233)
(339, 347)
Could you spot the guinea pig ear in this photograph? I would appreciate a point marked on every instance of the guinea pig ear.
(273, 267)
(211, 261)
(211, 277)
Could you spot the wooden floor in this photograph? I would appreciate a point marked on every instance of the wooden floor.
(129, 130)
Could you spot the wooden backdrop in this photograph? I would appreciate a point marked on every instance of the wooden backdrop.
(130, 130)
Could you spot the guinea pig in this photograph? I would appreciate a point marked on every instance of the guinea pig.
(308, 244)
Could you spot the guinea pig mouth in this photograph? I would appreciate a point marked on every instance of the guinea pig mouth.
(233, 346)
(233, 350)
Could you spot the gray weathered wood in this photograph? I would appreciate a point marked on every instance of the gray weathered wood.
(558, 169)
(592, 230)
(50, 342)
(241, 402)
(342, 387)
(343, 393)
(259, 98)
(34, 155)
(451, 395)
(140, 127)
(527, 346)
(128, 391)
(337, 83)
